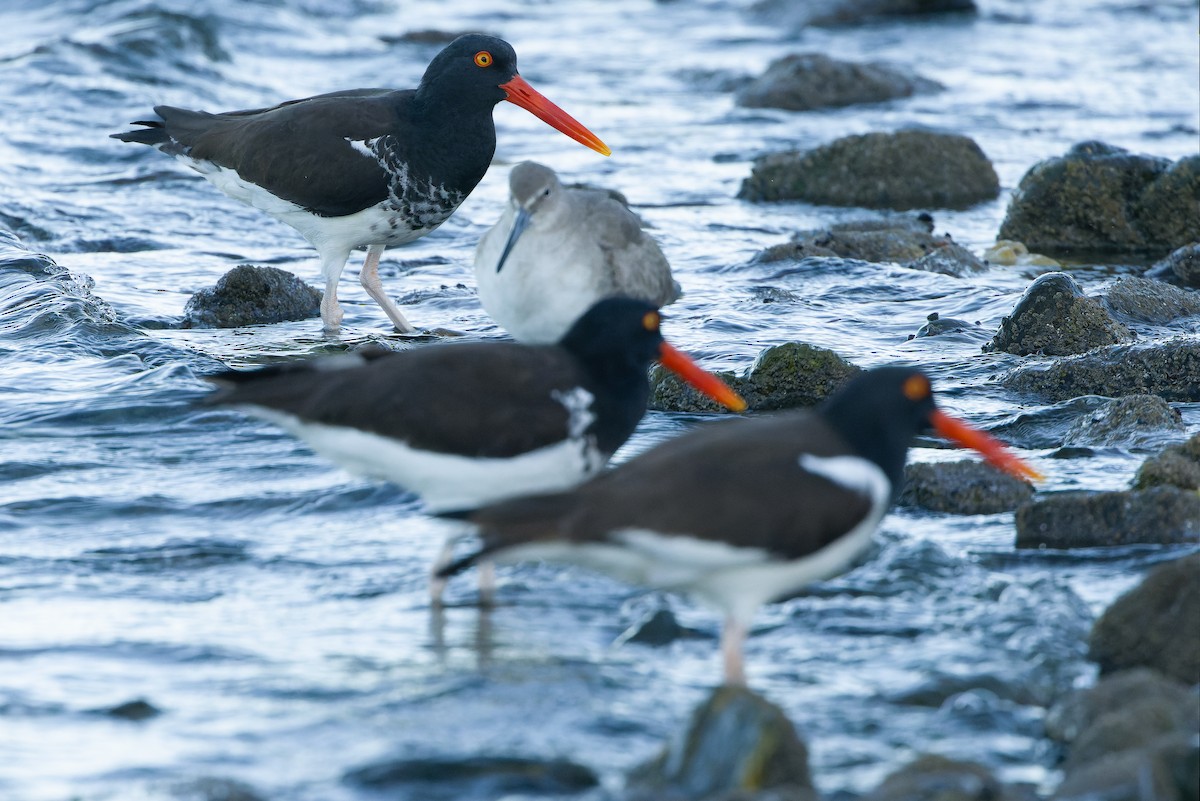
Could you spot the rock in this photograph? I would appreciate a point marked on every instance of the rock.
(249, 295)
(1135, 724)
(935, 778)
(1055, 318)
(1143, 300)
(903, 170)
(1101, 198)
(1160, 516)
(848, 12)
(138, 709)
(896, 238)
(1169, 369)
(1176, 466)
(1164, 770)
(968, 487)
(806, 81)
(782, 377)
(474, 777)
(737, 743)
(949, 259)
(1071, 716)
(1124, 421)
(936, 325)
(657, 628)
(214, 789)
(1182, 267)
(1154, 624)
(1010, 253)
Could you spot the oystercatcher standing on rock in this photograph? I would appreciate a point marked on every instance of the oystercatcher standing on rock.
(468, 423)
(364, 167)
(741, 512)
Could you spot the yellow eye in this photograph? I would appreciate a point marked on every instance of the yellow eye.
(651, 321)
(916, 388)
(483, 59)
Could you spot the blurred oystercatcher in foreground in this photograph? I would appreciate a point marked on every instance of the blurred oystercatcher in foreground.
(363, 167)
(741, 512)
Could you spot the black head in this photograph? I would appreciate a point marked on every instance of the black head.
(470, 69)
(616, 329)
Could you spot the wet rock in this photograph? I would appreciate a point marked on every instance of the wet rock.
(894, 238)
(474, 777)
(1160, 515)
(786, 376)
(1176, 466)
(805, 81)
(1169, 369)
(1101, 198)
(214, 789)
(1182, 267)
(850, 12)
(657, 628)
(1009, 253)
(737, 744)
(250, 295)
(936, 325)
(1129, 709)
(968, 487)
(1055, 318)
(903, 170)
(138, 709)
(1144, 300)
(935, 778)
(1164, 770)
(1124, 421)
(949, 259)
(1154, 625)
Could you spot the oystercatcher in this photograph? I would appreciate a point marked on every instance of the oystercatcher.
(364, 167)
(465, 424)
(741, 512)
(575, 247)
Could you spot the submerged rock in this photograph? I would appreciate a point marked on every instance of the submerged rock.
(806, 81)
(1144, 300)
(211, 788)
(1099, 198)
(1161, 516)
(250, 295)
(849, 12)
(936, 325)
(1182, 267)
(1176, 466)
(949, 259)
(1124, 421)
(894, 238)
(474, 777)
(968, 487)
(138, 709)
(1164, 770)
(736, 744)
(930, 777)
(657, 628)
(1168, 369)
(1055, 318)
(786, 376)
(903, 170)
(1154, 625)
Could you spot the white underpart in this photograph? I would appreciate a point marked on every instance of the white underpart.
(447, 482)
(736, 580)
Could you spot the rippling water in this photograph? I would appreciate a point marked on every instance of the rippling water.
(274, 607)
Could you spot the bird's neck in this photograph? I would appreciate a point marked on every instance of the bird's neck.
(871, 437)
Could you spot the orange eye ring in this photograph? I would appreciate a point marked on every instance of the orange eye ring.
(651, 321)
(483, 59)
(916, 388)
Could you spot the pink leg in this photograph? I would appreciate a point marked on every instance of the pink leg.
(437, 586)
(487, 583)
(369, 278)
(733, 638)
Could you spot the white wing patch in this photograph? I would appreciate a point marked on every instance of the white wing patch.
(852, 472)
(578, 403)
(363, 147)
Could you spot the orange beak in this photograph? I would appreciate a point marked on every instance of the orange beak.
(520, 93)
(704, 382)
(992, 449)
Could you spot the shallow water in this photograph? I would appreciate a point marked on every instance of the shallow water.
(274, 607)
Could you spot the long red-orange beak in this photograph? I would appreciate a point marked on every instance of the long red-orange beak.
(992, 449)
(522, 94)
(705, 382)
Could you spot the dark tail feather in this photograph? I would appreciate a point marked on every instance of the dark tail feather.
(519, 521)
(153, 134)
(459, 565)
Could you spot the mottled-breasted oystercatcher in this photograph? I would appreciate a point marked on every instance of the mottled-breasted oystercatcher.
(468, 423)
(557, 250)
(364, 167)
(741, 512)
